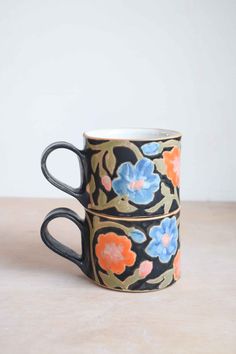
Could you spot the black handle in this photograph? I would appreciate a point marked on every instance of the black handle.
(75, 192)
(81, 260)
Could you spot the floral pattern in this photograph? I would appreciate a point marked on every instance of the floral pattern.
(106, 182)
(172, 162)
(128, 178)
(145, 268)
(164, 240)
(176, 265)
(137, 182)
(125, 258)
(151, 149)
(114, 252)
(137, 235)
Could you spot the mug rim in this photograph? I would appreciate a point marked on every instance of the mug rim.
(155, 134)
(133, 218)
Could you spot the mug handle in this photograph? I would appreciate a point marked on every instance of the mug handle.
(81, 260)
(75, 192)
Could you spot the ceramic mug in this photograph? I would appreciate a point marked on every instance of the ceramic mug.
(125, 172)
(126, 255)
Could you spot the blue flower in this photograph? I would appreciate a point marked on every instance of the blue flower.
(164, 240)
(151, 149)
(137, 182)
(137, 236)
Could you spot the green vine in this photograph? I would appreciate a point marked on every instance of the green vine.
(109, 279)
(166, 201)
(122, 203)
(110, 145)
(101, 224)
(164, 279)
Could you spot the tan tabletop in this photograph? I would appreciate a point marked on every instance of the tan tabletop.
(48, 306)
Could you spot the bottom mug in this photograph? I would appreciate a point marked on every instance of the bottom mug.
(133, 255)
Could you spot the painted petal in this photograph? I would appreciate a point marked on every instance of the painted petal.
(145, 268)
(151, 149)
(156, 249)
(106, 182)
(174, 233)
(173, 226)
(172, 247)
(160, 249)
(143, 168)
(119, 186)
(131, 195)
(126, 171)
(166, 225)
(152, 249)
(137, 236)
(156, 233)
(142, 196)
(152, 182)
(164, 257)
(153, 188)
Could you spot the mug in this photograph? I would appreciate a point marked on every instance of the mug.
(125, 172)
(133, 255)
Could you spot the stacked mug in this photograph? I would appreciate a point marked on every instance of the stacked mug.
(130, 192)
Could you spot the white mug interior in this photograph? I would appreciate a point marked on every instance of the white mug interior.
(132, 134)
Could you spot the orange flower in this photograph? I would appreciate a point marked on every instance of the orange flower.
(172, 162)
(176, 264)
(114, 252)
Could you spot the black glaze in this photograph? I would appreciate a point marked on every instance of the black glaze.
(139, 249)
(86, 260)
(83, 260)
(122, 154)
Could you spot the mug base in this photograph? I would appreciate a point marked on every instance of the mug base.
(132, 291)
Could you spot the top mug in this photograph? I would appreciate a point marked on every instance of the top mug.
(125, 172)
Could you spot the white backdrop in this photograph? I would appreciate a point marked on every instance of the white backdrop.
(68, 66)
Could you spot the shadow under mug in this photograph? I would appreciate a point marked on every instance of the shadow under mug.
(125, 172)
(125, 255)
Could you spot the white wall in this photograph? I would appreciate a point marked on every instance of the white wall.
(68, 66)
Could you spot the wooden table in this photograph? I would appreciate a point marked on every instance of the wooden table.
(48, 306)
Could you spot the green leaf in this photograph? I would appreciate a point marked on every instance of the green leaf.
(95, 161)
(155, 280)
(168, 204)
(167, 280)
(102, 198)
(160, 166)
(110, 161)
(137, 235)
(110, 280)
(165, 191)
(123, 205)
(92, 185)
(171, 143)
(161, 277)
(131, 279)
(156, 206)
(95, 221)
